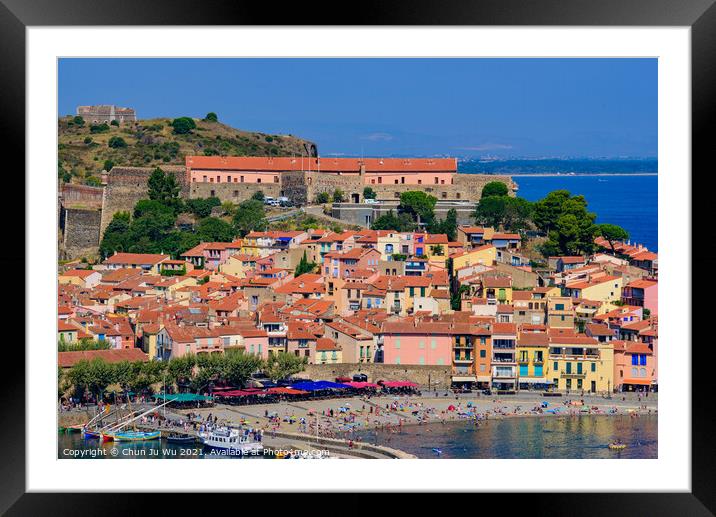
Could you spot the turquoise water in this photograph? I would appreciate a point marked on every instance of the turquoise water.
(527, 438)
(629, 201)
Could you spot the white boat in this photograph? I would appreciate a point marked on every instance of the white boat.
(231, 440)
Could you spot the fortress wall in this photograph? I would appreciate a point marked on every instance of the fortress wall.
(81, 196)
(466, 187)
(234, 192)
(127, 185)
(295, 186)
(81, 235)
(321, 182)
(438, 376)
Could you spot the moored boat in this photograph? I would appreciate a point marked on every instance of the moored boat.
(231, 440)
(136, 436)
(181, 438)
(617, 446)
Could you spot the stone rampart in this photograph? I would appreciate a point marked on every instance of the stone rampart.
(438, 376)
(80, 232)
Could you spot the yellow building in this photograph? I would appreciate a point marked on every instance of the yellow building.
(497, 289)
(328, 351)
(436, 249)
(149, 338)
(485, 255)
(602, 289)
(388, 245)
(237, 265)
(532, 353)
(560, 312)
(577, 363)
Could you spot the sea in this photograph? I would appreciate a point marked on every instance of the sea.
(619, 191)
(629, 200)
(579, 437)
(586, 436)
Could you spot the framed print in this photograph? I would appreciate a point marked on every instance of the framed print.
(451, 239)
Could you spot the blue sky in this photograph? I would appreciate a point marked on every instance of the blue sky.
(383, 107)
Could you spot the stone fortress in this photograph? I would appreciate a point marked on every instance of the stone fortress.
(83, 219)
(106, 113)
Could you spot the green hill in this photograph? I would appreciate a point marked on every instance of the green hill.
(83, 148)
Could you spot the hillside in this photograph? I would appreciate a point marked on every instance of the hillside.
(82, 151)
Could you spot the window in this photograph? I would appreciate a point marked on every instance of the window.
(524, 370)
(642, 372)
(556, 366)
(634, 359)
(538, 371)
(397, 344)
(642, 359)
(433, 343)
(421, 344)
(594, 367)
(421, 360)
(483, 353)
(397, 359)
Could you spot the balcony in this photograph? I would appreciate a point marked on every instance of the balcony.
(463, 360)
(565, 375)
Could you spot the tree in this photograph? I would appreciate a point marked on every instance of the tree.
(114, 123)
(164, 188)
(490, 211)
(117, 142)
(238, 366)
(494, 188)
(282, 365)
(612, 233)
(183, 125)
(338, 196)
(78, 121)
(517, 214)
(400, 223)
(369, 193)
(180, 370)
(419, 205)
(116, 235)
(304, 266)
(151, 207)
(211, 117)
(249, 216)
(201, 207)
(548, 210)
(215, 230)
(448, 226)
(108, 164)
(258, 196)
(437, 250)
(322, 197)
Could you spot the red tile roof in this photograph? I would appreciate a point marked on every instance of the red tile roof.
(69, 359)
(279, 164)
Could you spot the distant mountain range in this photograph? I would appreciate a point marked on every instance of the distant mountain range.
(559, 166)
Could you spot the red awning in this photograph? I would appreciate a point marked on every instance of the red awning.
(399, 384)
(361, 385)
(286, 391)
(640, 382)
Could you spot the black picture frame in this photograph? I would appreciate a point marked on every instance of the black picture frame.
(16, 15)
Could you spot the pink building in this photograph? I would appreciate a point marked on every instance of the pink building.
(642, 293)
(346, 264)
(634, 366)
(407, 342)
(267, 169)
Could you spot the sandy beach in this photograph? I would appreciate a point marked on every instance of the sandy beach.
(336, 418)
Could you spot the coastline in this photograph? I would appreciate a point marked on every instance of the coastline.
(412, 411)
(569, 175)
